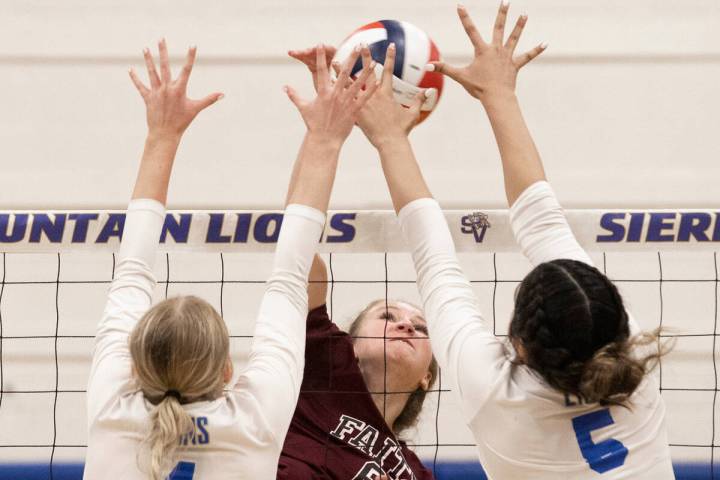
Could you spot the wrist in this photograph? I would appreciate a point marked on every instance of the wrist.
(497, 96)
(323, 141)
(158, 137)
(390, 142)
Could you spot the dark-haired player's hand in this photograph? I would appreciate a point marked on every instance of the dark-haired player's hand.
(495, 66)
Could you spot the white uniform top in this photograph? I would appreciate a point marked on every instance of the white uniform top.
(525, 429)
(238, 435)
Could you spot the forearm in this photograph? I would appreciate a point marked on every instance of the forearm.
(278, 346)
(462, 339)
(520, 159)
(155, 167)
(314, 173)
(402, 173)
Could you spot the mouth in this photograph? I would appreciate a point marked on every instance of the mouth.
(405, 340)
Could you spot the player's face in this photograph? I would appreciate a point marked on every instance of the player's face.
(406, 339)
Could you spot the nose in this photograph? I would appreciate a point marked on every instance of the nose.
(405, 326)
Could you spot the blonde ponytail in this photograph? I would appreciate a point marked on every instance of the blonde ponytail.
(179, 349)
(168, 423)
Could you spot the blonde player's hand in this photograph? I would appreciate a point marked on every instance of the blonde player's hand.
(495, 66)
(169, 111)
(309, 58)
(383, 119)
(332, 114)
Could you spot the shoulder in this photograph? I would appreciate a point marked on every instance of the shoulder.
(417, 467)
(319, 323)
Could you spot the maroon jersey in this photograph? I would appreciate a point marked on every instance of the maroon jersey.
(337, 431)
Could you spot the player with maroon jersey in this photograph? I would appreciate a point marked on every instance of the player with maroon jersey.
(360, 389)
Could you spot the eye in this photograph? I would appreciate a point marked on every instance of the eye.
(387, 316)
(421, 328)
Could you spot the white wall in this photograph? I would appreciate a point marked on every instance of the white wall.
(622, 104)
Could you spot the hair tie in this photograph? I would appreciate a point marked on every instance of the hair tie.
(172, 393)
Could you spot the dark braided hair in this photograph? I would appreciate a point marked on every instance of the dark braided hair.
(572, 326)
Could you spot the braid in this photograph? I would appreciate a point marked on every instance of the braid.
(571, 321)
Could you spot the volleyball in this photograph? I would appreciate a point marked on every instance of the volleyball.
(414, 49)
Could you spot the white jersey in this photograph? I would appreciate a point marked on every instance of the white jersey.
(525, 429)
(239, 435)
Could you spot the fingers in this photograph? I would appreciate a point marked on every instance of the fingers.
(138, 84)
(323, 76)
(344, 75)
(330, 52)
(366, 57)
(417, 103)
(150, 65)
(202, 104)
(499, 28)
(470, 28)
(361, 81)
(306, 56)
(187, 68)
(366, 94)
(514, 37)
(164, 62)
(294, 97)
(525, 58)
(388, 69)
(445, 69)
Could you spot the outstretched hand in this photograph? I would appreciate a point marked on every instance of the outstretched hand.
(383, 119)
(495, 66)
(169, 111)
(308, 56)
(335, 109)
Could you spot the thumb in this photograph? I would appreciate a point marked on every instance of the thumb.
(445, 69)
(293, 96)
(202, 104)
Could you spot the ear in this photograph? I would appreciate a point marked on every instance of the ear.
(425, 382)
(228, 370)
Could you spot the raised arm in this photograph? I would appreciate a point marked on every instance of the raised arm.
(169, 112)
(461, 338)
(276, 363)
(537, 219)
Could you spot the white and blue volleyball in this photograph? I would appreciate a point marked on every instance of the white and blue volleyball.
(414, 49)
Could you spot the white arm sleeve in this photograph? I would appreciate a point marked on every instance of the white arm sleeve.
(277, 357)
(542, 231)
(130, 296)
(462, 340)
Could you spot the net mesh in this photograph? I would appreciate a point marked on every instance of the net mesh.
(50, 304)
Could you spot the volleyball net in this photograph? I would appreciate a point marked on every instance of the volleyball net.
(55, 269)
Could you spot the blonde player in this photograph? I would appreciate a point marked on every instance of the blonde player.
(158, 406)
(569, 396)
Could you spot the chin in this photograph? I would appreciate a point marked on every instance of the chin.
(401, 353)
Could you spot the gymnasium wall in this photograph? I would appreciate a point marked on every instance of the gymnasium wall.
(623, 108)
(623, 105)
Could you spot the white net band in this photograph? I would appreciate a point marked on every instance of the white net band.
(358, 231)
